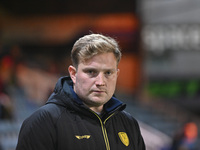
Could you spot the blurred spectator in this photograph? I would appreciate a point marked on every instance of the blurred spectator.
(6, 65)
(186, 138)
(6, 68)
(5, 106)
(36, 83)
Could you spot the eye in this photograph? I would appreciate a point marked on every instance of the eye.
(91, 72)
(108, 73)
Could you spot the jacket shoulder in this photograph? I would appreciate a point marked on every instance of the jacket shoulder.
(39, 126)
(49, 112)
(129, 119)
(128, 116)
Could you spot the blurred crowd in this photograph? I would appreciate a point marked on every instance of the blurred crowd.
(185, 139)
(20, 72)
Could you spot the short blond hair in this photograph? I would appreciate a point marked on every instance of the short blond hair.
(90, 45)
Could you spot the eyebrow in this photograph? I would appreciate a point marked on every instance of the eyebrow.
(93, 68)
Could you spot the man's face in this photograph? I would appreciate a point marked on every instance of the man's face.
(95, 79)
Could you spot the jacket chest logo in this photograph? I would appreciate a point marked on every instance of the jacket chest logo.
(124, 138)
(80, 137)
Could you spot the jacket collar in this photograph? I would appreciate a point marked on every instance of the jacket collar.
(111, 105)
(64, 95)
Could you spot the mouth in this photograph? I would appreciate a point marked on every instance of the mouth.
(98, 91)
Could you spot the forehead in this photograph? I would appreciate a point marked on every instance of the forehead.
(101, 60)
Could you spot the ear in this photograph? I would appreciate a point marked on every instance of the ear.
(72, 72)
(118, 71)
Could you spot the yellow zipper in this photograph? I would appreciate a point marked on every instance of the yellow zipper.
(105, 135)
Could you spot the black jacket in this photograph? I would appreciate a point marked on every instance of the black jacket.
(64, 123)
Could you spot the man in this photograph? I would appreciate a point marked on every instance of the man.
(82, 113)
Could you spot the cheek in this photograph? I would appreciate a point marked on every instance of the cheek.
(83, 83)
(112, 85)
(80, 78)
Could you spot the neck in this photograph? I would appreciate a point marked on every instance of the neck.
(98, 109)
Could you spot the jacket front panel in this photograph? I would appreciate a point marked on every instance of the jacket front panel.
(96, 134)
(66, 124)
(124, 134)
(75, 132)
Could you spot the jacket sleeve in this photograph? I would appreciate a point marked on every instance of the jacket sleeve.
(135, 129)
(141, 143)
(37, 132)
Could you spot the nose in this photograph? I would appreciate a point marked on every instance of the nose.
(100, 79)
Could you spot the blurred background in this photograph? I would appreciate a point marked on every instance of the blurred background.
(160, 73)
